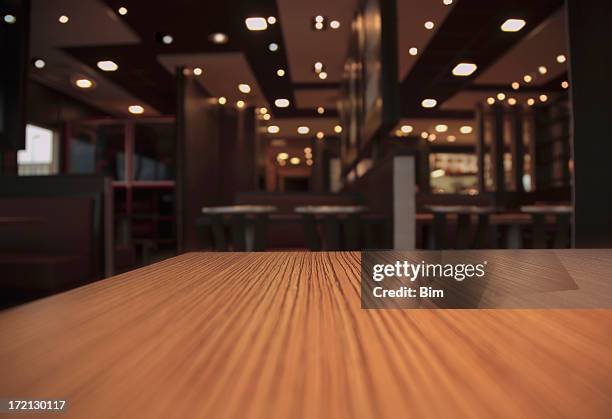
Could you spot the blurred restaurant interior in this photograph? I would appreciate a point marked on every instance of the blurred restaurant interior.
(132, 131)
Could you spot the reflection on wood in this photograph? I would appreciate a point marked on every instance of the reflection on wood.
(281, 335)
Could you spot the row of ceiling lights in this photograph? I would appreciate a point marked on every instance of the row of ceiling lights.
(464, 69)
(405, 130)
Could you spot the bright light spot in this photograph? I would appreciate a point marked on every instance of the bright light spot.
(256, 23)
(464, 69)
(303, 130)
(84, 83)
(511, 101)
(407, 129)
(122, 11)
(424, 135)
(107, 66)
(244, 88)
(218, 38)
(513, 25)
(564, 84)
(273, 46)
(543, 98)
(527, 78)
(413, 51)
(542, 70)
(429, 103)
(451, 138)
(515, 85)
(561, 58)
(167, 39)
(10, 19)
(294, 161)
(320, 135)
(490, 100)
(271, 20)
(280, 72)
(273, 129)
(240, 104)
(136, 109)
(322, 75)
(63, 19)
(466, 129)
(197, 71)
(438, 173)
(222, 100)
(429, 25)
(441, 128)
(320, 110)
(39, 63)
(501, 96)
(281, 103)
(338, 129)
(334, 24)
(531, 101)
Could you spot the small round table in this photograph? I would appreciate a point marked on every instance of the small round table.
(331, 219)
(248, 226)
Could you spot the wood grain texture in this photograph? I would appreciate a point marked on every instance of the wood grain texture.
(281, 335)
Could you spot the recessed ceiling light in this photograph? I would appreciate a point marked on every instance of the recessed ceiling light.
(318, 67)
(122, 11)
(429, 103)
(527, 78)
(320, 135)
(334, 24)
(406, 129)
(309, 162)
(282, 156)
(490, 100)
(294, 161)
(564, 84)
(511, 101)
(197, 71)
(271, 20)
(464, 69)
(322, 75)
(266, 117)
(513, 25)
(451, 138)
(280, 72)
(413, 51)
(307, 150)
(10, 19)
(218, 38)
(429, 25)
(447, 2)
(263, 110)
(303, 130)
(424, 135)
(501, 96)
(273, 129)
(222, 100)
(530, 101)
(320, 110)
(107, 65)
(63, 19)
(281, 103)
(39, 63)
(441, 128)
(319, 19)
(543, 98)
(318, 26)
(542, 70)
(136, 109)
(256, 23)
(244, 88)
(167, 39)
(432, 137)
(561, 58)
(240, 104)
(466, 129)
(515, 85)
(273, 46)
(83, 83)
(338, 129)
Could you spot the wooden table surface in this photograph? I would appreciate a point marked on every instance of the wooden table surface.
(282, 335)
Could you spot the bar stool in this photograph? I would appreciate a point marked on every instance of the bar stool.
(248, 226)
(463, 240)
(335, 218)
(539, 214)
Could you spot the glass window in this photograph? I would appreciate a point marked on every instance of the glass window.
(39, 156)
(154, 151)
(98, 148)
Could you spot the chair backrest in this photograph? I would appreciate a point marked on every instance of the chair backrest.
(72, 209)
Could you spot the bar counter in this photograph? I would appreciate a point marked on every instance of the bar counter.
(282, 335)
